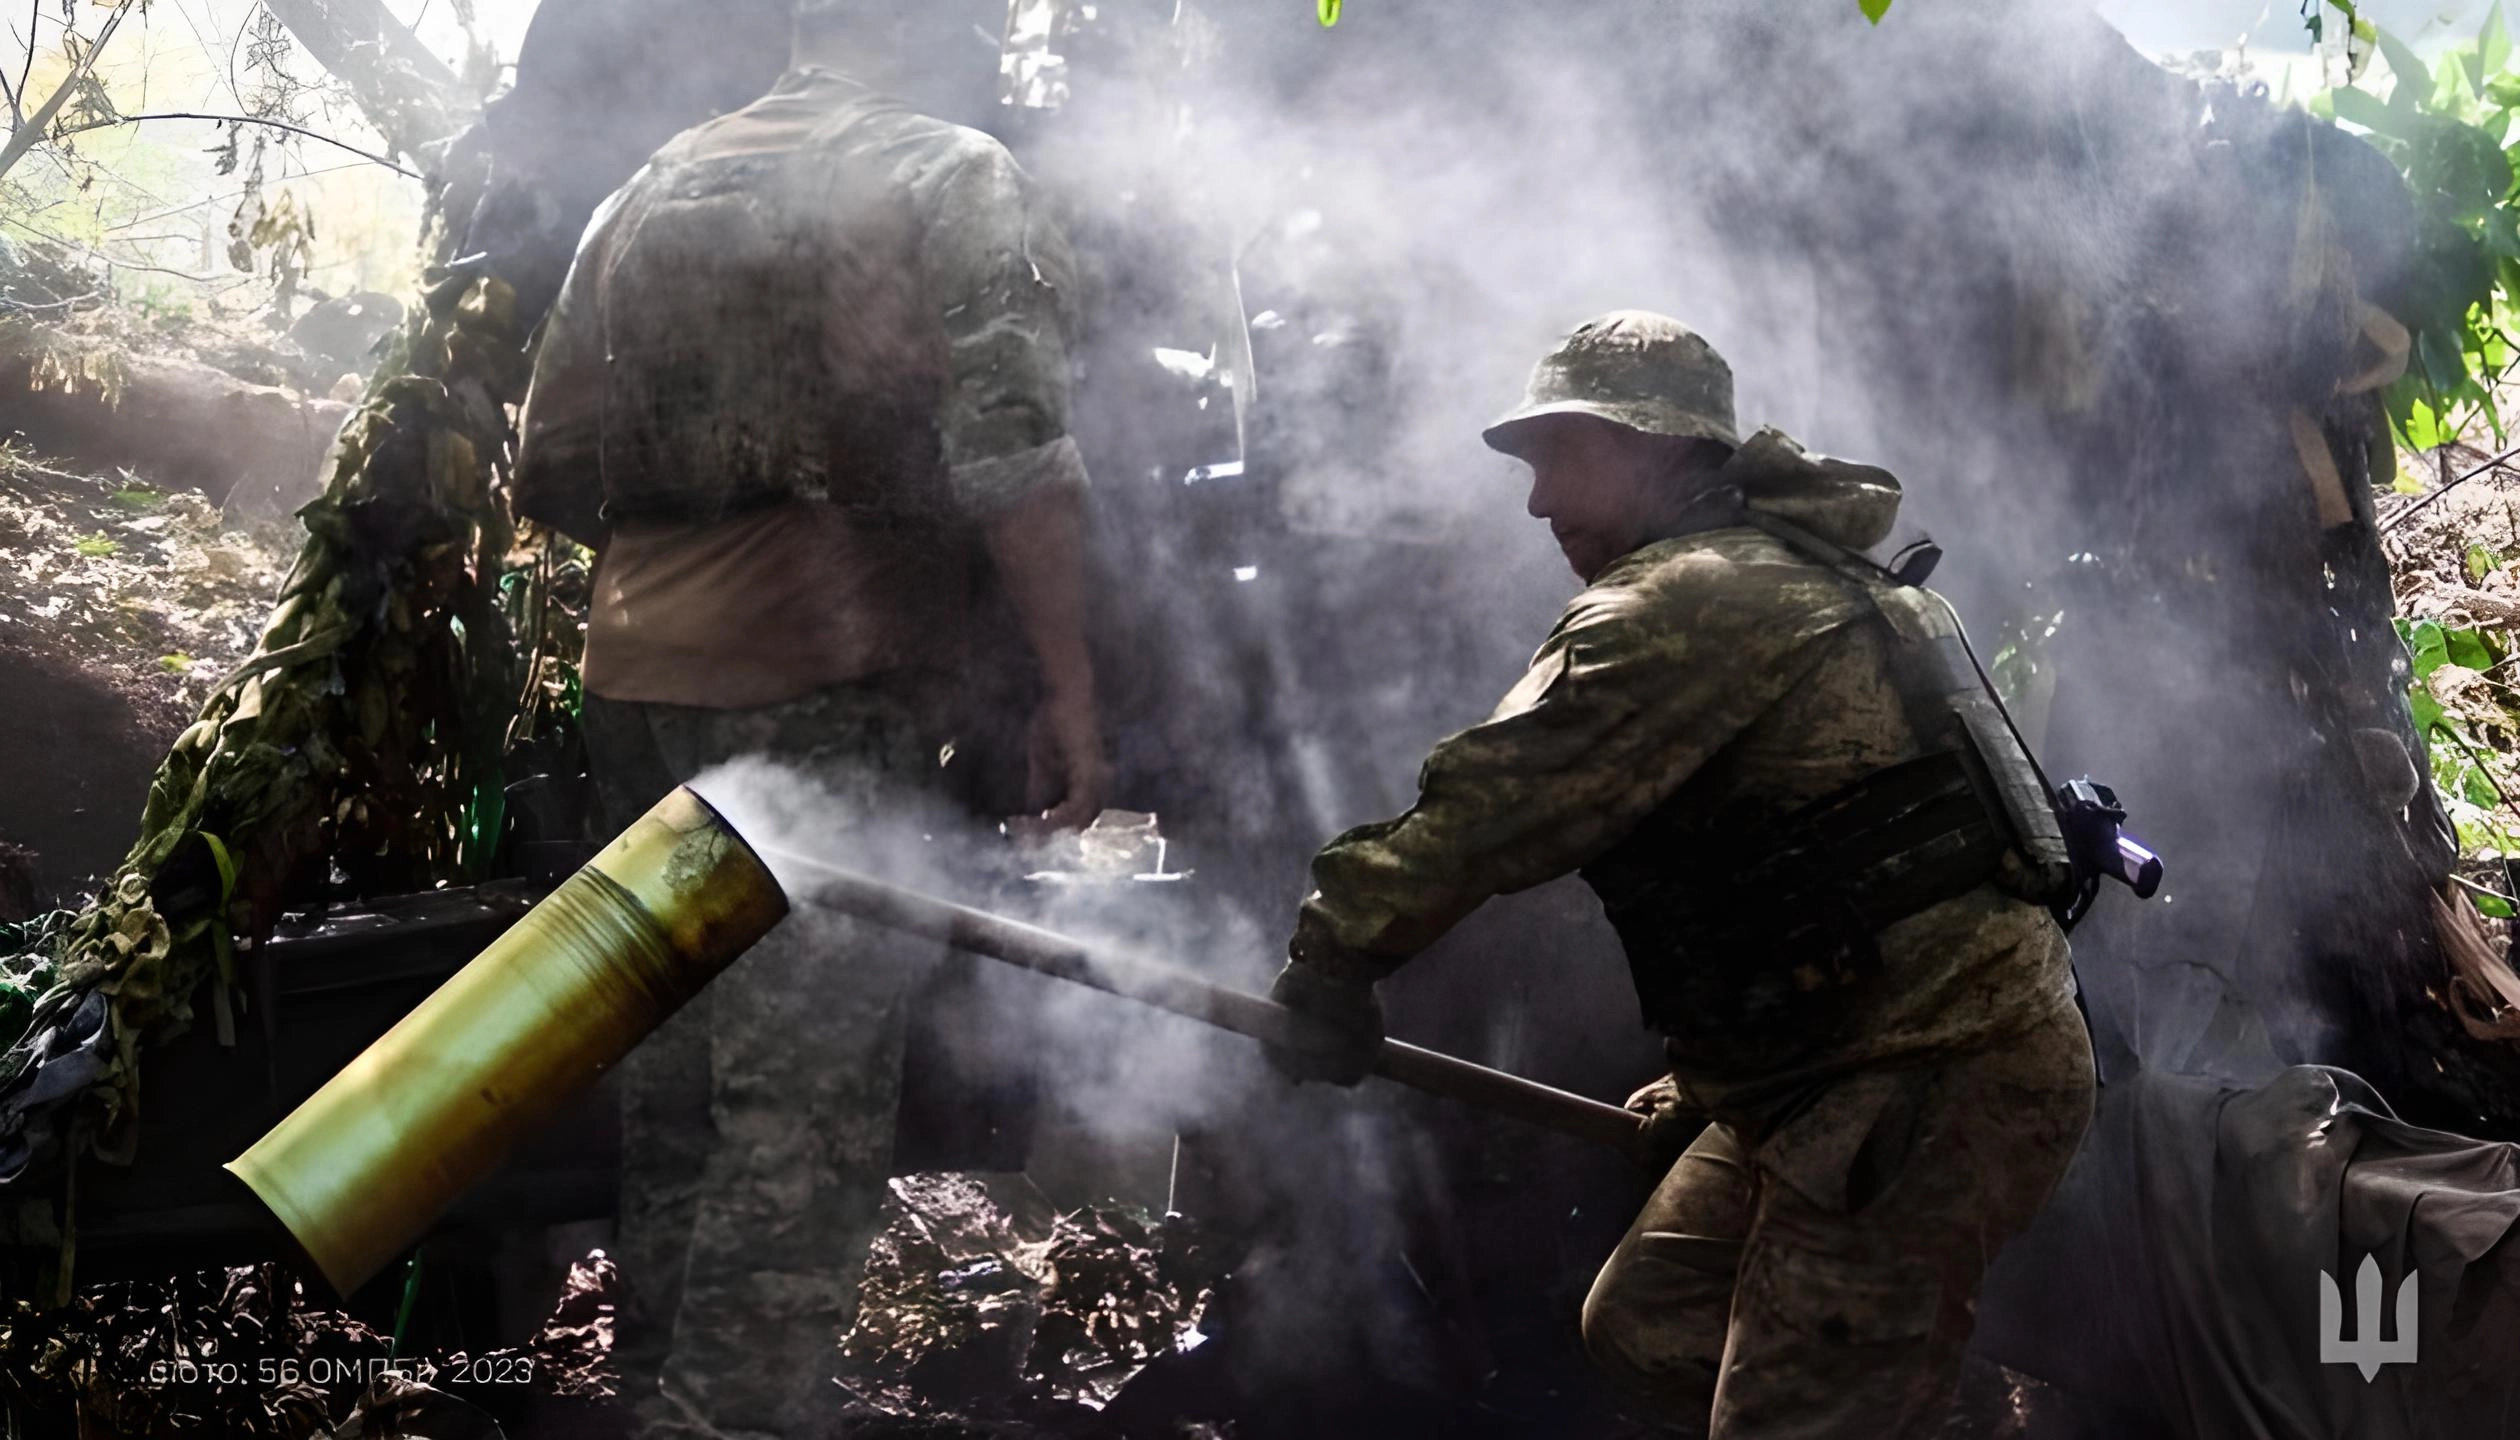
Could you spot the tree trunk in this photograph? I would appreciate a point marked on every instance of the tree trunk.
(407, 93)
(177, 423)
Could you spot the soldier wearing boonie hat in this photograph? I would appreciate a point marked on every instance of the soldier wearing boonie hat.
(1633, 368)
(1747, 738)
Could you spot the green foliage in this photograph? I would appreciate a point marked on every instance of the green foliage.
(2478, 810)
(1874, 9)
(26, 967)
(2421, 428)
(2435, 645)
(163, 302)
(97, 546)
(2480, 562)
(2021, 649)
(2493, 907)
(2493, 52)
(178, 663)
(139, 497)
(2447, 129)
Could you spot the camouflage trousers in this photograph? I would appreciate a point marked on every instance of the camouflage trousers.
(757, 1124)
(1822, 1284)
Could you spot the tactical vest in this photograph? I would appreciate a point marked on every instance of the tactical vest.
(1754, 935)
(767, 337)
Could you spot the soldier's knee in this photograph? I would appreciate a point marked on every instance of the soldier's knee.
(1606, 1324)
(1637, 1344)
(1654, 1325)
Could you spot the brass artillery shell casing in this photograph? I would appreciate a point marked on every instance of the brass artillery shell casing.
(373, 1159)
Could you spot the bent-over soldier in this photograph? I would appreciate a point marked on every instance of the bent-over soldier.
(1830, 865)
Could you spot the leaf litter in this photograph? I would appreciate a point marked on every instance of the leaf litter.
(153, 592)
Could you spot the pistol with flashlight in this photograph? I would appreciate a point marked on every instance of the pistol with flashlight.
(2096, 840)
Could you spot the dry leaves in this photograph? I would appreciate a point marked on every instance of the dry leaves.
(149, 589)
(979, 1296)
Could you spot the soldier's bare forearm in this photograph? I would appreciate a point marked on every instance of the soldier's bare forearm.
(1039, 547)
(1039, 550)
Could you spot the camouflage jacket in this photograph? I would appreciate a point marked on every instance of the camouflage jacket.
(1726, 662)
(802, 359)
(825, 294)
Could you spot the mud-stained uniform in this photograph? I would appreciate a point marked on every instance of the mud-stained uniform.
(1880, 1128)
(801, 360)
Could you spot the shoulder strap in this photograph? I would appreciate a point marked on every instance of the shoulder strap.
(1949, 683)
(2041, 867)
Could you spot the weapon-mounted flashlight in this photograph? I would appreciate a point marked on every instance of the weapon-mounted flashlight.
(2095, 838)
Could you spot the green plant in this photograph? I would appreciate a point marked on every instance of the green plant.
(2446, 128)
(2021, 648)
(97, 546)
(163, 304)
(2478, 807)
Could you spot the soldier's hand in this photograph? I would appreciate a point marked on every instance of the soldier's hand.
(1671, 1122)
(1065, 791)
(1348, 1019)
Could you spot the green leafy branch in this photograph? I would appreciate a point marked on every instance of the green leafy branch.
(2478, 806)
(2448, 130)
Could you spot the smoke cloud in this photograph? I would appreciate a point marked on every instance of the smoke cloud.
(1985, 245)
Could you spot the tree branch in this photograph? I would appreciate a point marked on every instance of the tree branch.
(406, 91)
(34, 32)
(108, 261)
(2480, 607)
(17, 107)
(2447, 485)
(368, 155)
(26, 135)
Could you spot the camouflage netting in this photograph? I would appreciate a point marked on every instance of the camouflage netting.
(361, 744)
(420, 640)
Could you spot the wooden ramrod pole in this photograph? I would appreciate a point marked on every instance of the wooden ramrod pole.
(1177, 992)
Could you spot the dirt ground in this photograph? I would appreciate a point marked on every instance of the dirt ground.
(120, 606)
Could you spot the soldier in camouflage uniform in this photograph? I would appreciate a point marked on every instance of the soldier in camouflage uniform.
(804, 390)
(1830, 876)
